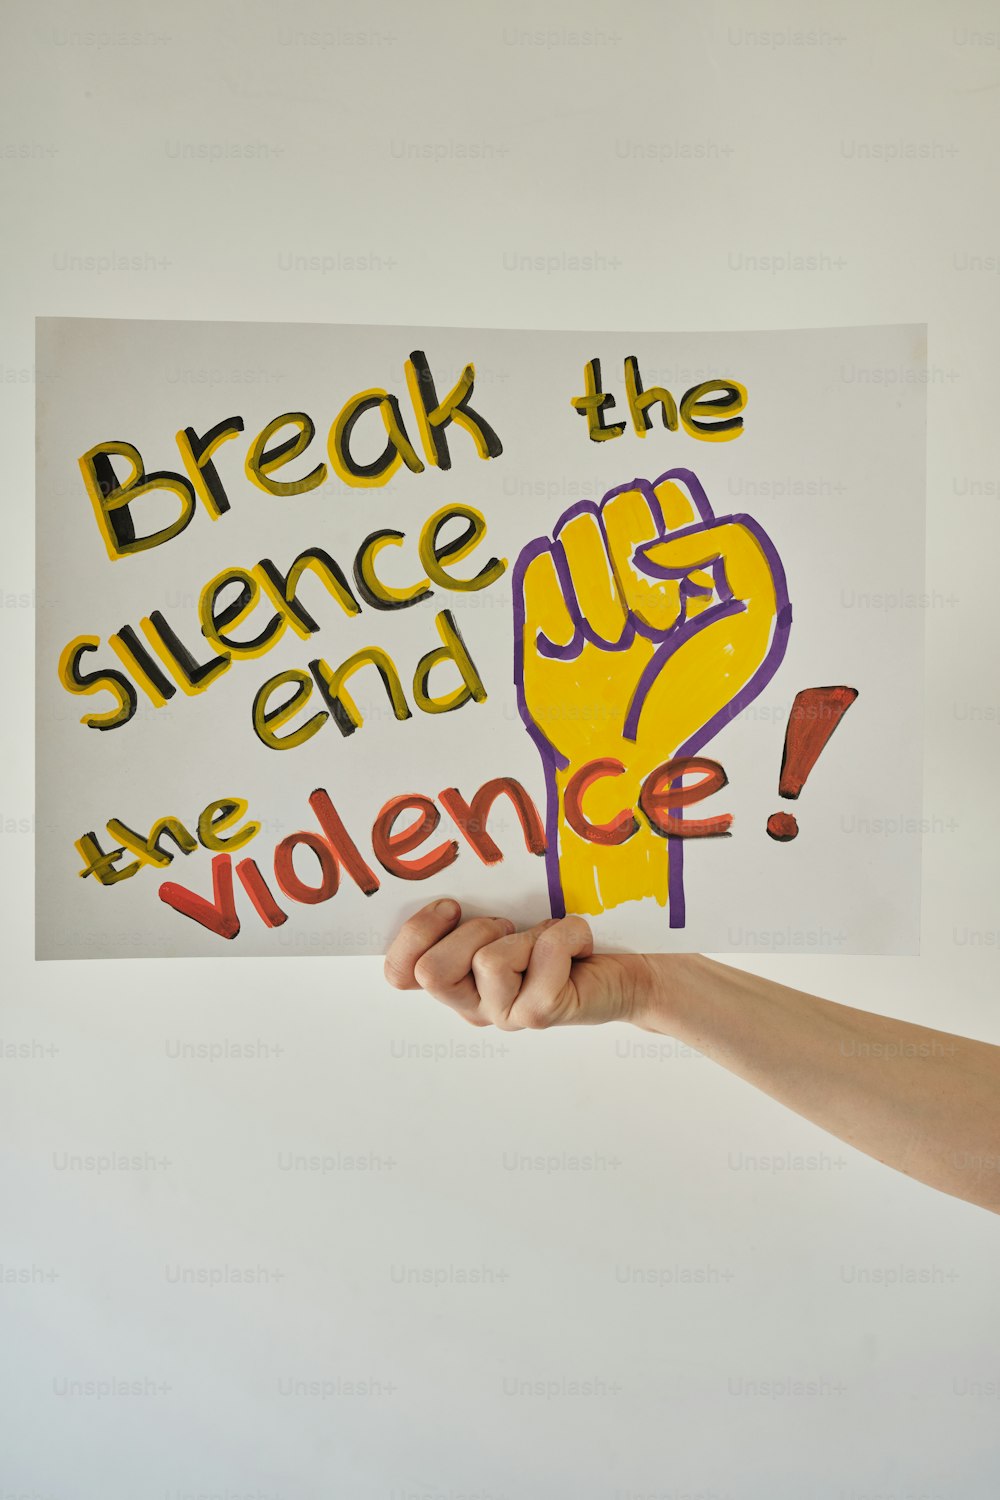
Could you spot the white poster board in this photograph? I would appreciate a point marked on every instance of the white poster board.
(559, 567)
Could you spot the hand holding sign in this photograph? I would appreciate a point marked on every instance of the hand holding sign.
(493, 975)
(641, 628)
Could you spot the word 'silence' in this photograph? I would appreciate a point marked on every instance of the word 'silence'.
(158, 662)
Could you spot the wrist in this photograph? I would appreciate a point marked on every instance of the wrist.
(665, 992)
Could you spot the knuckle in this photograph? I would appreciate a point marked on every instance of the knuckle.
(567, 931)
(396, 973)
(549, 941)
(534, 1016)
(427, 972)
(494, 1013)
(487, 963)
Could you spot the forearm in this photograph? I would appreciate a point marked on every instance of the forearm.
(922, 1101)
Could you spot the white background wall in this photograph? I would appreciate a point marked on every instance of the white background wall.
(674, 142)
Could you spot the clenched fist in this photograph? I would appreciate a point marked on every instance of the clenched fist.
(642, 626)
(493, 975)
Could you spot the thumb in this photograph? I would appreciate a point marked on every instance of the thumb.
(751, 565)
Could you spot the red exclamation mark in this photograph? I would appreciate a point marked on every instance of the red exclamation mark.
(815, 714)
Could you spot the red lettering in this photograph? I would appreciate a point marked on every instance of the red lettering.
(658, 797)
(291, 884)
(343, 845)
(388, 846)
(259, 892)
(219, 914)
(470, 818)
(620, 829)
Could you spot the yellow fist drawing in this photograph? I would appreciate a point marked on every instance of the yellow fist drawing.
(642, 626)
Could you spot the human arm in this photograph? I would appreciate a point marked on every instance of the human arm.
(924, 1102)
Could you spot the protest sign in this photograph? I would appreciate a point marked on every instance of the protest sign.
(336, 620)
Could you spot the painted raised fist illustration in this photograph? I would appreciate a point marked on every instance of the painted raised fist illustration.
(642, 626)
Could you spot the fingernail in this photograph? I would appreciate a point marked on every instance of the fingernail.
(446, 909)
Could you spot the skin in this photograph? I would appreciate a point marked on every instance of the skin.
(922, 1101)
